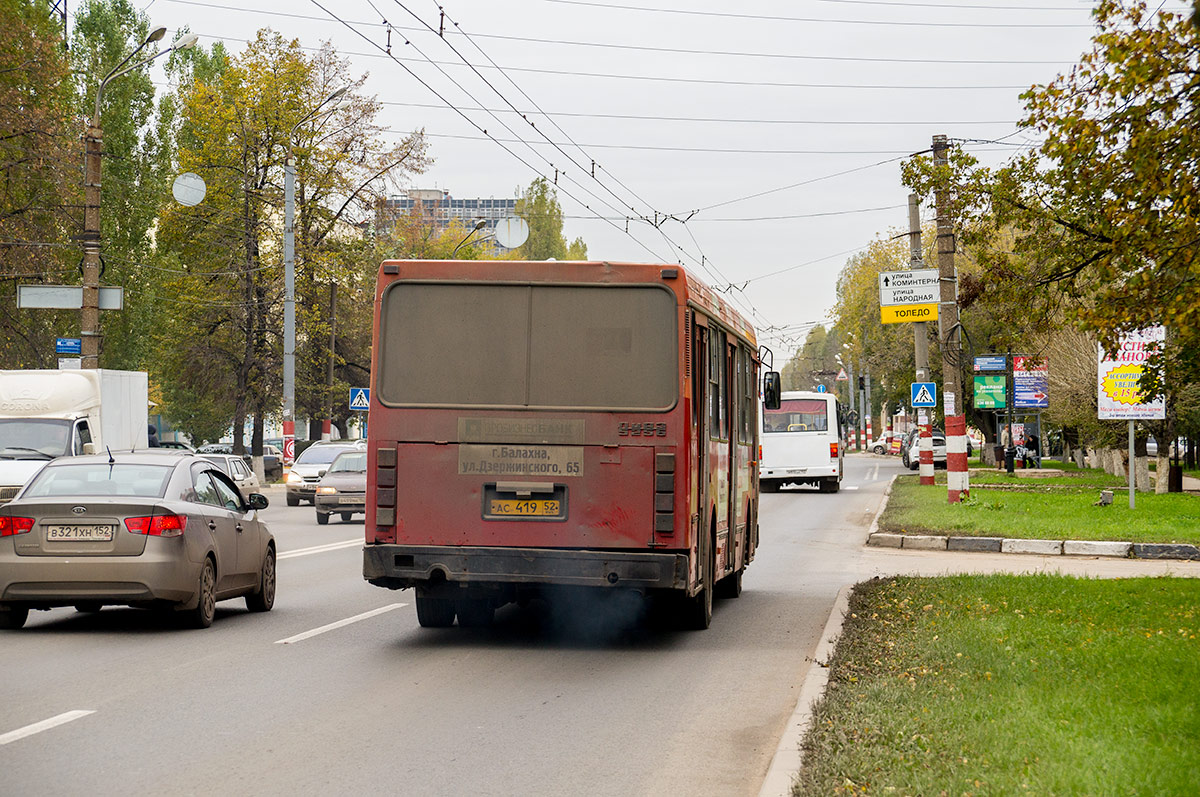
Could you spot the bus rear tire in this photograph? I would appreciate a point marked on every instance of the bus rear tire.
(768, 485)
(697, 609)
(830, 485)
(434, 612)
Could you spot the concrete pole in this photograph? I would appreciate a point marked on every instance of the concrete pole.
(953, 401)
(920, 341)
(89, 320)
(327, 427)
(289, 312)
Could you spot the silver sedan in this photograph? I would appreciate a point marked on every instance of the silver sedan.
(151, 529)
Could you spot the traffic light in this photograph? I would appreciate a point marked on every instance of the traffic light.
(862, 383)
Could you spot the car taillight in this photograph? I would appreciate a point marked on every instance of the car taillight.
(10, 526)
(833, 450)
(157, 525)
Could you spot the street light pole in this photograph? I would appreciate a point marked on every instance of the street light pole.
(93, 148)
(289, 282)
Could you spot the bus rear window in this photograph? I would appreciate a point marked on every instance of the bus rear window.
(798, 415)
(469, 344)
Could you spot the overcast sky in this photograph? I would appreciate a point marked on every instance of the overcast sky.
(769, 132)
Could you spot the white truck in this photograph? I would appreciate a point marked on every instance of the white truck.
(48, 414)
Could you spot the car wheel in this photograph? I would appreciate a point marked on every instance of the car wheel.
(12, 617)
(264, 598)
(322, 519)
(206, 600)
(878, 449)
(434, 612)
(293, 500)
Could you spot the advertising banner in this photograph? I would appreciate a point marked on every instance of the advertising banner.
(1118, 396)
(1031, 382)
(990, 392)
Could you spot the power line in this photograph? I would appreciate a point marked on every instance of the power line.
(714, 150)
(647, 48)
(817, 20)
(664, 79)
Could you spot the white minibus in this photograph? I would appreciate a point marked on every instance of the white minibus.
(801, 442)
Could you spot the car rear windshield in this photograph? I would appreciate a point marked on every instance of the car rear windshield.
(100, 479)
(319, 455)
(555, 346)
(350, 463)
(798, 415)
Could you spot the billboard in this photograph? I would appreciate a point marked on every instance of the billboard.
(1119, 398)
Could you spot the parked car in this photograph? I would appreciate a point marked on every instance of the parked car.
(272, 457)
(343, 488)
(236, 469)
(913, 458)
(175, 445)
(884, 444)
(147, 529)
(311, 465)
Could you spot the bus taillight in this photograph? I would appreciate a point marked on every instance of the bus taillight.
(833, 450)
(664, 493)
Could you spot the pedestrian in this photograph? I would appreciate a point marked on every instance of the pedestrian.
(152, 435)
(1032, 454)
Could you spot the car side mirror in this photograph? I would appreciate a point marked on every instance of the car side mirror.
(89, 448)
(257, 501)
(771, 390)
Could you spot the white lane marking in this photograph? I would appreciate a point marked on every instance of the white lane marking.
(875, 473)
(332, 546)
(339, 624)
(850, 487)
(44, 725)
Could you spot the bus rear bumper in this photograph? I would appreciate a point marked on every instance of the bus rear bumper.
(401, 566)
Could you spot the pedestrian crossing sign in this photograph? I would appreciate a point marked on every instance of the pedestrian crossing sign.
(360, 399)
(924, 394)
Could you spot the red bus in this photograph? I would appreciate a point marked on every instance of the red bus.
(559, 424)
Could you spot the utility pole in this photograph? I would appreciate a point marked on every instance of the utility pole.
(327, 432)
(89, 319)
(953, 400)
(920, 342)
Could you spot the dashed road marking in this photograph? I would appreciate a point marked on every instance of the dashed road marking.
(332, 626)
(332, 546)
(44, 725)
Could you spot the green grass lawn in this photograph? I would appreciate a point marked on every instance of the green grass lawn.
(1049, 512)
(999, 685)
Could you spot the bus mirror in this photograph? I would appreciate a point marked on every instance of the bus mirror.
(771, 392)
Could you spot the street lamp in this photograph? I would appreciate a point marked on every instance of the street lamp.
(89, 321)
(289, 277)
(479, 225)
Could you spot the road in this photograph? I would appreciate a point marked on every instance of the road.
(339, 690)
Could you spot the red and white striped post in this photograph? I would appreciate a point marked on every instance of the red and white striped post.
(926, 449)
(956, 458)
(326, 429)
(870, 434)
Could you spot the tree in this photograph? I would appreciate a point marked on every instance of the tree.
(237, 121)
(1100, 227)
(39, 173)
(539, 207)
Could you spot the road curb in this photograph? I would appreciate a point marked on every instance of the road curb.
(788, 758)
(1090, 548)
